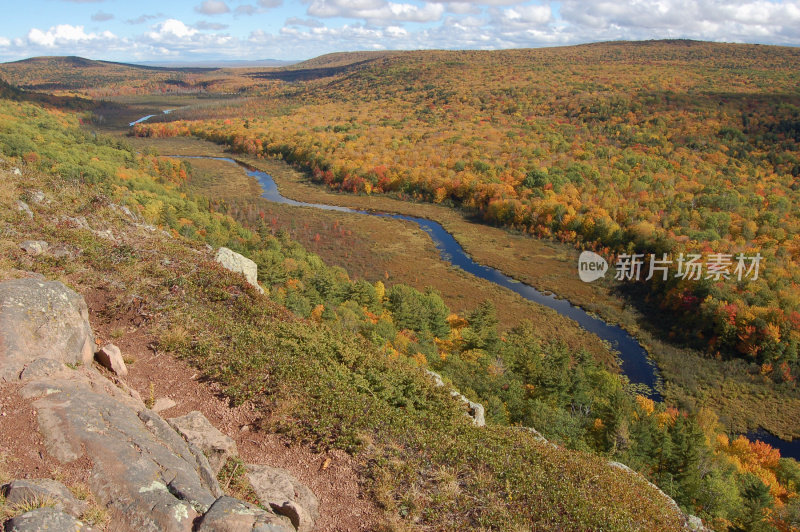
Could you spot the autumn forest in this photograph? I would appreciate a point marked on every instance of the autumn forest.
(666, 148)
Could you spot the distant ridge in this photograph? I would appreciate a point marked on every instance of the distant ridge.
(82, 62)
(340, 59)
(222, 63)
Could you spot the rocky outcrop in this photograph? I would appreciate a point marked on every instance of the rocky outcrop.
(46, 518)
(46, 490)
(235, 262)
(41, 319)
(278, 489)
(150, 477)
(142, 469)
(474, 410)
(198, 431)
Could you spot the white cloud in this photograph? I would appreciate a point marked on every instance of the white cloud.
(171, 29)
(377, 12)
(262, 7)
(396, 31)
(740, 20)
(213, 7)
(526, 16)
(463, 8)
(386, 24)
(63, 35)
(479, 3)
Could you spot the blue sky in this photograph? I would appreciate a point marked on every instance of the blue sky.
(193, 30)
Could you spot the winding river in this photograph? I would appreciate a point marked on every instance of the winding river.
(634, 360)
(633, 357)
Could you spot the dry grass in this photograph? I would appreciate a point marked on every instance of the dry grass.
(8, 511)
(171, 338)
(95, 515)
(8, 189)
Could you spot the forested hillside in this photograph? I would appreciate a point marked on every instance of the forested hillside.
(96, 79)
(659, 147)
(345, 370)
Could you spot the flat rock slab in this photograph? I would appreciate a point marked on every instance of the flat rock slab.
(286, 496)
(40, 319)
(163, 403)
(45, 519)
(149, 477)
(198, 431)
(43, 489)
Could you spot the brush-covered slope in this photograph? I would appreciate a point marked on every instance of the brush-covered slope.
(312, 379)
(71, 74)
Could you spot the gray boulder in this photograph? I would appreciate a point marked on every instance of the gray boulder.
(476, 412)
(25, 209)
(76, 222)
(37, 197)
(235, 262)
(232, 515)
(198, 431)
(110, 357)
(22, 491)
(34, 247)
(286, 496)
(45, 519)
(40, 319)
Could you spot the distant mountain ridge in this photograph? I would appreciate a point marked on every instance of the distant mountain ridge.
(222, 63)
(82, 62)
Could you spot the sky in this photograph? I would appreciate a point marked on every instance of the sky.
(202, 30)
